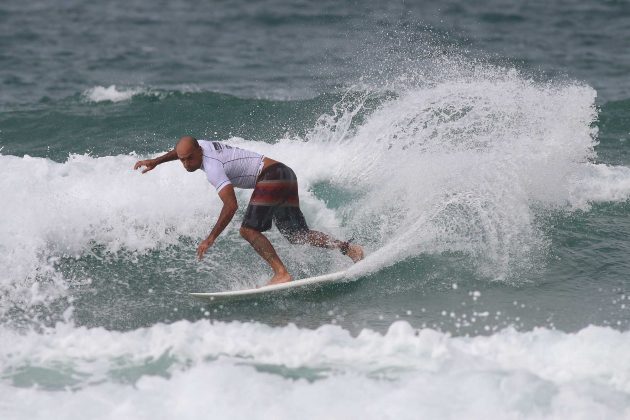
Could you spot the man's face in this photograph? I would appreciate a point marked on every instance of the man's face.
(191, 159)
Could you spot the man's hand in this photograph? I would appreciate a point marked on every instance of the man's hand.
(203, 247)
(227, 212)
(149, 165)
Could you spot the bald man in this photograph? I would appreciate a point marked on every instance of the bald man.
(275, 197)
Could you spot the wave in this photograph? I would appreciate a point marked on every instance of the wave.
(469, 163)
(179, 370)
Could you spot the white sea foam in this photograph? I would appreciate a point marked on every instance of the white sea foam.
(251, 370)
(111, 93)
(600, 183)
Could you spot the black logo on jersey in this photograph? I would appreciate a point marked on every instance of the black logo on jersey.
(220, 146)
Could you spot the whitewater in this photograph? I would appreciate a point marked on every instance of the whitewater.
(251, 370)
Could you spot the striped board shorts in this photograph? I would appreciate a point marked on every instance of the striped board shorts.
(275, 197)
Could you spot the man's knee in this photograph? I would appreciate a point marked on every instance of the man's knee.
(246, 232)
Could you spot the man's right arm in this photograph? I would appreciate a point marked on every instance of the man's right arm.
(152, 163)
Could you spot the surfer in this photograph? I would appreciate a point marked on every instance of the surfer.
(275, 197)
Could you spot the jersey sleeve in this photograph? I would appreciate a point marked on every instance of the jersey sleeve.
(216, 174)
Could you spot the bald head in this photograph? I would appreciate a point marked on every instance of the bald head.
(189, 153)
(186, 144)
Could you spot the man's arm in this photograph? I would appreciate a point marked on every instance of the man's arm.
(227, 213)
(152, 163)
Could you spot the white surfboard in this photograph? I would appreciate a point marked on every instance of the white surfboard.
(265, 290)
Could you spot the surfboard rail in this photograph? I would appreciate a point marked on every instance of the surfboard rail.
(264, 290)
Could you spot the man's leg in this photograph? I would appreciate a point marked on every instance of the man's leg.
(319, 239)
(264, 248)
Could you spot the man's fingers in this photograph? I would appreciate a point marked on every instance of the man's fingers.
(140, 164)
(148, 165)
(201, 249)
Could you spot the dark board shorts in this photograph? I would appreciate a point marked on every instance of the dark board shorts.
(275, 197)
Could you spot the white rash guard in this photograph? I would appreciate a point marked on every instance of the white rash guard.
(224, 164)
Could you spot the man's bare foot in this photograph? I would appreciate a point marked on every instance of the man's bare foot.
(280, 278)
(355, 252)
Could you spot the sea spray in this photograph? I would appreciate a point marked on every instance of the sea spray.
(465, 164)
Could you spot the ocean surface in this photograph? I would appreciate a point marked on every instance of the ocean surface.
(480, 151)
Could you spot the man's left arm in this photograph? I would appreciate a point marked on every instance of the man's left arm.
(150, 164)
(230, 206)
